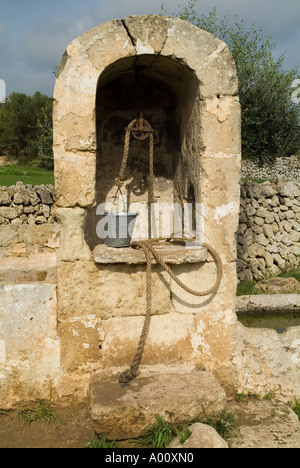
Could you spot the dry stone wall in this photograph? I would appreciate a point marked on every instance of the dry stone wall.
(25, 204)
(268, 238)
(283, 168)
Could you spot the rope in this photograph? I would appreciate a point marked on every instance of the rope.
(150, 253)
(121, 178)
(147, 246)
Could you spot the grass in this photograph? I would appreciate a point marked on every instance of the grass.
(40, 413)
(296, 408)
(225, 424)
(28, 174)
(292, 273)
(101, 442)
(246, 288)
(161, 433)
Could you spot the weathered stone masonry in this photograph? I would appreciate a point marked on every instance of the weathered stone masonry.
(60, 327)
(25, 204)
(268, 237)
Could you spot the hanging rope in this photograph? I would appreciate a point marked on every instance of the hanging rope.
(148, 247)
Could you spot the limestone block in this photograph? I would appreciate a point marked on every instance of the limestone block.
(75, 133)
(27, 318)
(8, 212)
(204, 53)
(265, 424)
(219, 175)
(172, 254)
(288, 188)
(75, 86)
(122, 412)
(268, 361)
(5, 198)
(214, 343)
(202, 436)
(221, 125)
(79, 337)
(31, 378)
(110, 290)
(268, 302)
(72, 243)
(21, 195)
(220, 198)
(87, 56)
(44, 194)
(278, 286)
(269, 259)
(75, 176)
(268, 230)
(147, 32)
(35, 268)
(168, 342)
(25, 240)
(107, 43)
(220, 227)
(262, 240)
(201, 278)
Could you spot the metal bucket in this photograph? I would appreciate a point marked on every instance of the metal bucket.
(120, 228)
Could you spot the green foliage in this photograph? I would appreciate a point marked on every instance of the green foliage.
(25, 173)
(225, 424)
(40, 413)
(245, 288)
(101, 442)
(159, 435)
(183, 434)
(270, 118)
(26, 127)
(296, 408)
(45, 138)
(291, 273)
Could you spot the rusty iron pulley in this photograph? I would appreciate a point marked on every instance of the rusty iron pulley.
(141, 130)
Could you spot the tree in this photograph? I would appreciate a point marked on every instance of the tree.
(270, 117)
(23, 124)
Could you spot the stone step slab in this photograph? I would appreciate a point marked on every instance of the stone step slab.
(35, 268)
(177, 395)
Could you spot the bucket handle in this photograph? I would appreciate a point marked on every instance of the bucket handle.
(123, 200)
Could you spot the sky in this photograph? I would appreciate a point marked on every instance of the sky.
(35, 33)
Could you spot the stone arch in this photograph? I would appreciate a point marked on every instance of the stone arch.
(199, 73)
(93, 53)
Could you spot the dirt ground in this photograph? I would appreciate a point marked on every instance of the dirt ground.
(74, 431)
(261, 424)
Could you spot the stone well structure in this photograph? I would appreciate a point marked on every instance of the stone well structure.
(184, 81)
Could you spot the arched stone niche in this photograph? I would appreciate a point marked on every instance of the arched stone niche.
(184, 81)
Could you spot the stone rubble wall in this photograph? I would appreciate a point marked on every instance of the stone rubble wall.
(283, 168)
(25, 204)
(268, 238)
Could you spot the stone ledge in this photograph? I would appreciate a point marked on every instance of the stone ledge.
(268, 303)
(175, 255)
(35, 268)
(176, 394)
